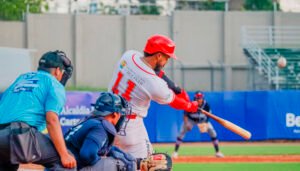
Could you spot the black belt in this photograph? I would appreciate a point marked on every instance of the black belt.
(3, 126)
(193, 119)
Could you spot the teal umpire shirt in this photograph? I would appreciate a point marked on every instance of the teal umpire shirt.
(30, 97)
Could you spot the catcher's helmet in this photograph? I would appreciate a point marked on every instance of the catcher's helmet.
(160, 43)
(198, 95)
(108, 103)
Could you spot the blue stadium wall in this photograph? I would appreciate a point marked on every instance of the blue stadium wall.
(266, 114)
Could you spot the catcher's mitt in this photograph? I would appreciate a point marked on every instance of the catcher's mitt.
(156, 162)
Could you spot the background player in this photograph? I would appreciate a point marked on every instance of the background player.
(134, 78)
(202, 121)
(91, 140)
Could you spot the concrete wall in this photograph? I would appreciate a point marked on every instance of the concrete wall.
(49, 32)
(287, 19)
(139, 28)
(233, 40)
(14, 61)
(233, 53)
(12, 34)
(99, 45)
(198, 36)
(204, 40)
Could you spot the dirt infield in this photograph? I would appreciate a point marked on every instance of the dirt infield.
(243, 143)
(233, 159)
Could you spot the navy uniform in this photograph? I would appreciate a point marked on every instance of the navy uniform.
(191, 119)
(91, 141)
(202, 121)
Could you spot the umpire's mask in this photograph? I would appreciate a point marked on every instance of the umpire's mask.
(54, 59)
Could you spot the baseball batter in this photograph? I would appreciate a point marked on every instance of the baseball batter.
(202, 121)
(135, 79)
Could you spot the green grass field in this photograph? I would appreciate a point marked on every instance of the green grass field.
(247, 149)
(206, 149)
(237, 167)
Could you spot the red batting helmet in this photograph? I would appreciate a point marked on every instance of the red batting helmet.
(198, 95)
(160, 43)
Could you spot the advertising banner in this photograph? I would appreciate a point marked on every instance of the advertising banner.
(77, 107)
(266, 114)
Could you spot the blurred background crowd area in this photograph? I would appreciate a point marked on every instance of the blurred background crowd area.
(15, 9)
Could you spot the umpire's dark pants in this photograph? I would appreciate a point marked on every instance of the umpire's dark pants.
(50, 158)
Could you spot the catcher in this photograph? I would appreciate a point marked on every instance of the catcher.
(91, 140)
(201, 120)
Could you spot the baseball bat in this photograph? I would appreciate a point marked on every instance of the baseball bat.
(229, 125)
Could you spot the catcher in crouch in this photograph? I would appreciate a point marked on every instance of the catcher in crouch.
(201, 120)
(91, 140)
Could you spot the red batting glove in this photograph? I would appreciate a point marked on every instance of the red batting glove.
(192, 107)
(184, 95)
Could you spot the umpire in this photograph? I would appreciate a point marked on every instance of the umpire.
(31, 103)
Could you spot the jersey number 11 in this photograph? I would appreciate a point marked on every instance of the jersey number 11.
(130, 87)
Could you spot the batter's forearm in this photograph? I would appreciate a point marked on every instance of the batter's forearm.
(183, 104)
(176, 89)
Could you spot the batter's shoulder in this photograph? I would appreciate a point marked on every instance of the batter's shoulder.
(130, 53)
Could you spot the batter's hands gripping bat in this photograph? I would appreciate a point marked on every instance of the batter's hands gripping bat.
(229, 125)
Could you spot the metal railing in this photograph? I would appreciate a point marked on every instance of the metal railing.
(252, 43)
(272, 36)
(275, 41)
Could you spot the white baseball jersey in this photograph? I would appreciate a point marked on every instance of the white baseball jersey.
(138, 84)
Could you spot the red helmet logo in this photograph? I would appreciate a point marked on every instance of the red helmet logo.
(160, 43)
